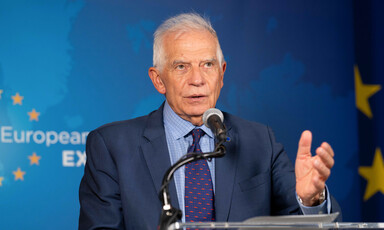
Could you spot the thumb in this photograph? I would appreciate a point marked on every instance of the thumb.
(305, 144)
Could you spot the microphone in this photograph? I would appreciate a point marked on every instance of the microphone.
(213, 119)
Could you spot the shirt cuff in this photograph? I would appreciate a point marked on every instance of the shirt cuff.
(323, 208)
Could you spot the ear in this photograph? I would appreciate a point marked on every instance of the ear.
(223, 68)
(154, 74)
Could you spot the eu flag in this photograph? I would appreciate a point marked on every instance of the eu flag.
(369, 81)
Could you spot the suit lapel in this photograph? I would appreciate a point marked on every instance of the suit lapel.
(225, 177)
(156, 153)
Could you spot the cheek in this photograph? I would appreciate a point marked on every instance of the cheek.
(219, 85)
(175, 91)
(180, 86)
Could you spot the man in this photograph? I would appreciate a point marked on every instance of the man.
(126, 160)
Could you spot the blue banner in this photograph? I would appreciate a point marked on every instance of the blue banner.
(369, 81)
(68, 67)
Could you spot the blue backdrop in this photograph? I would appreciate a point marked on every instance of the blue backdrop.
(369, 72)
(67, 67)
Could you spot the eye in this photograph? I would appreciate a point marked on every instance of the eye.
(180, 67)
(208, 64)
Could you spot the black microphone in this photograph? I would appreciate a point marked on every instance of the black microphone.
(213, 119)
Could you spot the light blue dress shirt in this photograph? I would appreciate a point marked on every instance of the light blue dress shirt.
(178, 141)
(177, 132)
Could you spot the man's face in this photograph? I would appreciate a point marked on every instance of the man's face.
(192, 77)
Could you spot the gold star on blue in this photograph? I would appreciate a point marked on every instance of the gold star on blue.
(363, 93)
(374, 175)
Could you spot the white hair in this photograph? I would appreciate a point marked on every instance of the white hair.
(181, 23)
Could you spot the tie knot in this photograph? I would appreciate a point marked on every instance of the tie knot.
(197, 134)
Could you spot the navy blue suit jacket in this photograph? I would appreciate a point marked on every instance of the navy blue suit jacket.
(126, 162)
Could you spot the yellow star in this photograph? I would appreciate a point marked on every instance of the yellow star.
(17, 99)
(1, 181)
(374, 175)
(1, 92)
(363, 93)
(34, 159)
(19, 175)
(33, 115)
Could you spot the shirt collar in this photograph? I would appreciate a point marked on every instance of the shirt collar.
(178, 126)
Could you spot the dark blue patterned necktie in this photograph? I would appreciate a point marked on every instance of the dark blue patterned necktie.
(199, 196)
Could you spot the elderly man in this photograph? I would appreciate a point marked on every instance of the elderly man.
(126, 160)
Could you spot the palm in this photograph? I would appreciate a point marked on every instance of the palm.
(304, 176)
(312, 171)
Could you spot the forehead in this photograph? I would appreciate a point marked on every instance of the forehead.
(190, 45)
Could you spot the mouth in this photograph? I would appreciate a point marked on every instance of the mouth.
(196, 97)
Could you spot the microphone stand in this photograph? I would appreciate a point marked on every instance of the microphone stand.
(169, 214)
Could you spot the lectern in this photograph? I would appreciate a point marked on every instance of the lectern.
(310, 222)
(271, 225)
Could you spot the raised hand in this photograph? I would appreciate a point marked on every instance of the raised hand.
(312, 171)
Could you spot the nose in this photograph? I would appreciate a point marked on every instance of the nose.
(196, 77)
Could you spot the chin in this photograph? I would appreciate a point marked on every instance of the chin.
(199, 111)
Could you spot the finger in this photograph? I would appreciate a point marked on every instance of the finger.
(328, 148)
(323, 171)
(305, 144)
(325, 157)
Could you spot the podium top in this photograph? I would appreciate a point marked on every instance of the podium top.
(324, 221)
(278, 225)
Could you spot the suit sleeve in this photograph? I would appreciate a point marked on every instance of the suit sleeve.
(99, 193)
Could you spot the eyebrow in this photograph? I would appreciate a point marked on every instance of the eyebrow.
(177, 62)
(209, 60)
